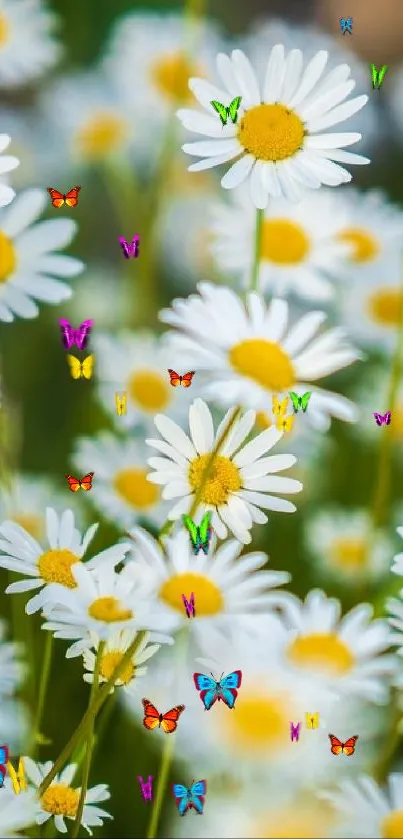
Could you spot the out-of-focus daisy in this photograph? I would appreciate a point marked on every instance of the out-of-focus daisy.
(121, 490)
(241, 478)
(95, 292)
(29, 144)
(371, 394)
(366, 810)
(28, 499)
(338, 541)
(374, 234)
(28, 263)
(24, 555)
(112, 654)
(27, 46)
(250, 353)
(7, 164)
(299, 249)
(370, 310)
(394, 96)
(60, 800)
(397, 566)
(10, 666)
(279, 137)
(15, 722)
(16, 812)
(186, 259)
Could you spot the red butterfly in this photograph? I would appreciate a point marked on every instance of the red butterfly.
(185, 380)
(168, 722)
(58, 199)
(347, 748)
(85, 483)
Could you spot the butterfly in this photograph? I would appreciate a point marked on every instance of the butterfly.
(312, 720)
(85, 483)
(300, 401)
(185, 380)
(386, 420)
(224, 690)
(347, 748)
(168, 722)
(226, 113)
(346, 25)
(186, 799)
(378, 75)
(72, 336)
(130, 250)
(18, 778)
(3, 764)
(58, 199)
(285, 423)
(294, 731)
(81, 369)
(200, 535)
(279, 408)
(121, 403)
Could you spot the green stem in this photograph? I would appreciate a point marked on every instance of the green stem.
(257, 250)
(43, 685)
(167, 755)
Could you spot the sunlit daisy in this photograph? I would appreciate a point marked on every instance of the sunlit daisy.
(279, 137)
(27, 501)
(60, 800)
(28, 262)
(251, 353)
(7, 164)
(241, 478)
(112, 654)
(27, 45)
(17, 812)
(21, 553)
(366, 810)
(121, 490)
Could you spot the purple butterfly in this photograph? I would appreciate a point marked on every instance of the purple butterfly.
(294, 731)
(72, 336)
(189, 605)
(380, 420)
(130, 250)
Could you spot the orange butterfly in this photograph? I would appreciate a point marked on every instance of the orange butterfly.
(347, 748)
(153, 718)
(58, 199)
(85, 483)
(185, 380)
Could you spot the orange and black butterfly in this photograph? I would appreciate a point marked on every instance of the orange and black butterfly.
(185, 380)
(168, 722)
(337, 747)
(85, 483)
(58, 199)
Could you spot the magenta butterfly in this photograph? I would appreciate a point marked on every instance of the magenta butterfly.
(131, 250)
(189, 605)
(72, 336)
(386, 420)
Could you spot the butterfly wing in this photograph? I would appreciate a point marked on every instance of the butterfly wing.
(175, 378)
(234, 107)
(151, 715)
(169, 720)
(71, 197)
(182, 796)
(74, 483)
(387, 418)
(378, 419)
(197, 793)
(86, 481)
(304, 400)
(67, 333)
(207, 688)
(83, 333)
(336, 746)
(382, 74)
(295, 400)
(57, 197)
(186, 380)
(75, 366)
(205, 531)
(3, 755)
(349, 746)
(279, 408)
(193, 531)
(87, 366)
(228, 688)
(221, 110)
(285, 423)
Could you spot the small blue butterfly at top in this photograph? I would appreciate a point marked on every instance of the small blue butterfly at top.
(346, 25)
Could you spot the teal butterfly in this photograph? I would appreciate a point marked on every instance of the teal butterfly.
(300, 401)
(226, 113)
(200, 535)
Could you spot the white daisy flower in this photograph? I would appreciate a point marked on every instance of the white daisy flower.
(27, 46)
(24, 555)
(250, 353)
(366, 810)
(11, 670)
(29, 144)
(17, 812)
(27, 501)
(96, 293)
(121, 489)
(186, 259)
(240, 481)
(60, 800)
(7, 164)
(28, 263)
(373, 233)
(112, 654)
(370, 310)
(397, 567)
(279, 137)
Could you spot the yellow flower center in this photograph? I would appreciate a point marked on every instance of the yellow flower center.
(109, 663)
(263, 420)
(297, 822)
(133, 487)
(384, 306)
(149, 391)
(4, 30)
(102, 134)
(366, 247)
(7, 257)
(283, 242)
(109, 610)
(349, 554)
(55, 567)
(34, 525)
(321, 651)
(391, 826)
(271, 132)
(60, 800)
(260, 723)
(208, 598)
(223, 479)
(264, 362)
(171, 73)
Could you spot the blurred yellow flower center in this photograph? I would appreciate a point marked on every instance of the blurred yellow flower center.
(349, 553)
(223, 479)
(283, 242)
(391, 826)
(264, 362)
(7, 257)
(263, 420)
(149, 391)
(171, 73)
(397, 425)
(60, 800)
(321, 651)
(34, 525)
(102, 134)
(384, 306)
(109, 663)
(55, 567)
(295, 822)
(109, 610)
(4, 30)
(271, 132)
(133, 486)
(208, 598)
(260, 722)
(365, 246)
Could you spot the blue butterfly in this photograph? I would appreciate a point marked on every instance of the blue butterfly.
(3, 764)
(346, 25)
(186, 799)
(224, 690)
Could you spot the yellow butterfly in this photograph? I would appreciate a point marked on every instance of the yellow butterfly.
(18, 778)
(279, 408)
(81, 369)
(121, 403)
(285, 423)
(312, 720)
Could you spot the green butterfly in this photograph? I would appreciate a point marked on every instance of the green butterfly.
(227, 113)
(200, 535)
(300, 401)
(378, 75)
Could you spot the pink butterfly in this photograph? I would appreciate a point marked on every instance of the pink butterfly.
(72, 336)
(189, 605)
(130, 250)
(386, 420)
(294, 731)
